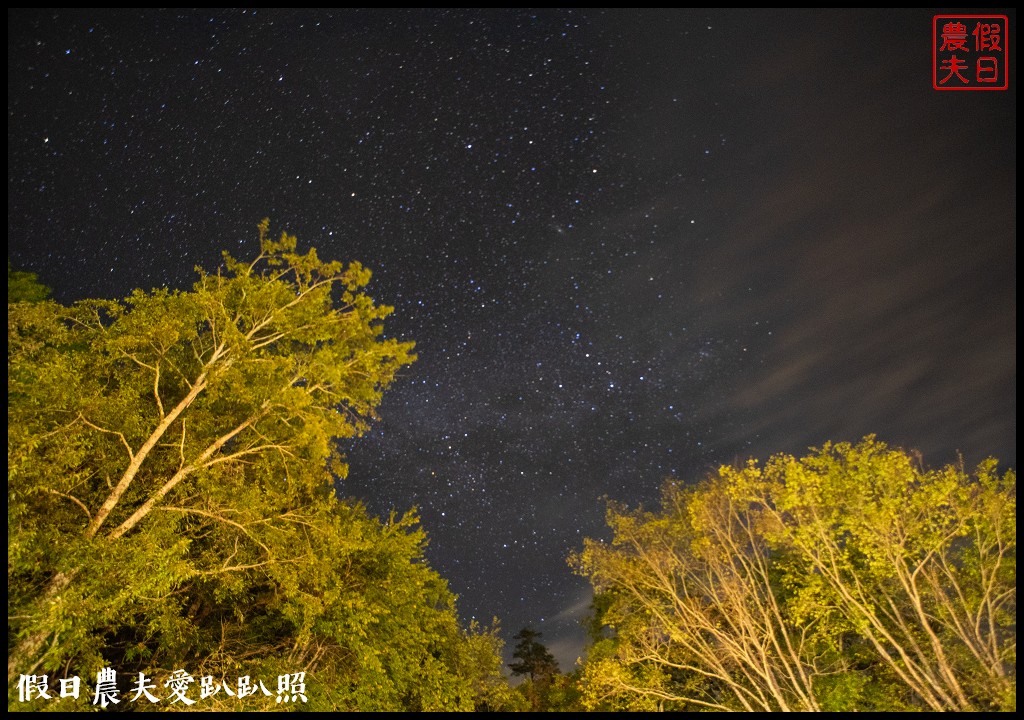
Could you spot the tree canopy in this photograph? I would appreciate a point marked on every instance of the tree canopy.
(24, 286)
(533, 659)
(172, 462)
(544, 687)
(850, 579)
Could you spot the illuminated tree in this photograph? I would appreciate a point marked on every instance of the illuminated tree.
(849, 579)
(24, 286)
(172, 460)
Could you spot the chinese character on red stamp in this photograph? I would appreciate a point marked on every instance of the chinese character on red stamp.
(970, 52)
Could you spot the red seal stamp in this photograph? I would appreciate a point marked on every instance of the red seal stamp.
(970, 52)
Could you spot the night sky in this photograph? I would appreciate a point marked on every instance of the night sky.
(629, 244)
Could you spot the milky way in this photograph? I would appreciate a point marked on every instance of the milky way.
(629, 245)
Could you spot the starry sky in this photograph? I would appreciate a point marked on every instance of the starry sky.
(629, 244)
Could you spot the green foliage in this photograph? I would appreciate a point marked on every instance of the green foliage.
(545, 689)
(563, 693)
(850, 579)
(537, 663)
(172, 460)
(24, 286)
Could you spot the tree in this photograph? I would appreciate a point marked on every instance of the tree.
(537, 663)
(849, 579)
(24, 286)
(172, 460)
(534, 659)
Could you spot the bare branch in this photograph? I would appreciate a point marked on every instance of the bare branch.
(124, 441)
(182, 473)
(73, 499)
